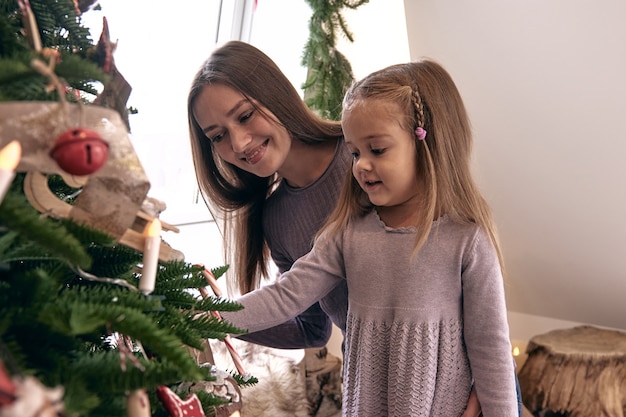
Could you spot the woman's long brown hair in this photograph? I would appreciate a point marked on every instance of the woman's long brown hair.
(236, 197)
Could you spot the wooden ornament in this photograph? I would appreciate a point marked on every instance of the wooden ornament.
(222, 385)
(111, 199)
(176, 407)
(122, 182)
(33, 399)
(7, 387)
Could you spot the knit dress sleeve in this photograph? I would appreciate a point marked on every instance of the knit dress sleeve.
(310, 329)
(311, 278)
(486, 330)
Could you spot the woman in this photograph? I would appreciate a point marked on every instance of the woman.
(271, 169)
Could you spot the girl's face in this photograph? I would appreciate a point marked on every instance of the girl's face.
(384, 162)
(239, 132)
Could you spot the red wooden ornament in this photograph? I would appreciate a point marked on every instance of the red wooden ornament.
(80, 151)
(176, 407)
(7, 388)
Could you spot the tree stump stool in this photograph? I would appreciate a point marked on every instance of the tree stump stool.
(579, 372)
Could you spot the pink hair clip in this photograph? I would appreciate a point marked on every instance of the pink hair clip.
(421, 133)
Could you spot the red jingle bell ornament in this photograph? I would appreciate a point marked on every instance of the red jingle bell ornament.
(80, 151)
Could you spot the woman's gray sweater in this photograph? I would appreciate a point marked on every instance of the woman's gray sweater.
(291, 219)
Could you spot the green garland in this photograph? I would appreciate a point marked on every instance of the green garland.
(329, 71)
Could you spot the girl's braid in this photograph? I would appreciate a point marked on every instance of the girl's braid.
(419, 107)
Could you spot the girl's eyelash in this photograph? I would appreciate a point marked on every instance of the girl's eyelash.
(377, 151)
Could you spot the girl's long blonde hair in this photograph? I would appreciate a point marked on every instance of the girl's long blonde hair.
(430, 100)
(236, 197)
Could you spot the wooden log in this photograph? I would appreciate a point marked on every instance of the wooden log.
(580, 372)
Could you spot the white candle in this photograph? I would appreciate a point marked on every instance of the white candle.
(138, 404)
(9, 158)
(150, 256)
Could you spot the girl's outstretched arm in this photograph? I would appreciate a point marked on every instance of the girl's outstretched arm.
(308, 330)
(311, 278)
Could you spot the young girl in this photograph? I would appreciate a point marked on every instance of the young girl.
(414, 240)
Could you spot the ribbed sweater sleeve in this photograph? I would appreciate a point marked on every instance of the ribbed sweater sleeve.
(291, 219)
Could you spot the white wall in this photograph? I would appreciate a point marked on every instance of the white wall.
(545, 85)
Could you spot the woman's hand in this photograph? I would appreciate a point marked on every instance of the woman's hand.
(473, 406)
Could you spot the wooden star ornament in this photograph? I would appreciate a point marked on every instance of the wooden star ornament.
(7, 387)
(177, 407)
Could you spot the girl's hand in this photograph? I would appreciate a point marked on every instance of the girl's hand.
(473, 406)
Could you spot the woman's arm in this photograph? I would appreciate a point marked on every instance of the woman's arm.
(311, 278)
(308, 330)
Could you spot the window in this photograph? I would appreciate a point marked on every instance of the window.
(159, 51)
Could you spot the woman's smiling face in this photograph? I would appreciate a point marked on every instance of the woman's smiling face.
(241, 134)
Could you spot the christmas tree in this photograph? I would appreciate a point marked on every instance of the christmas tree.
(85, 328)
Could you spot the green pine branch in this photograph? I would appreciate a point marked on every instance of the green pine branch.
(61, 30)
(329, 71)
(51, 237)
(66, 289)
